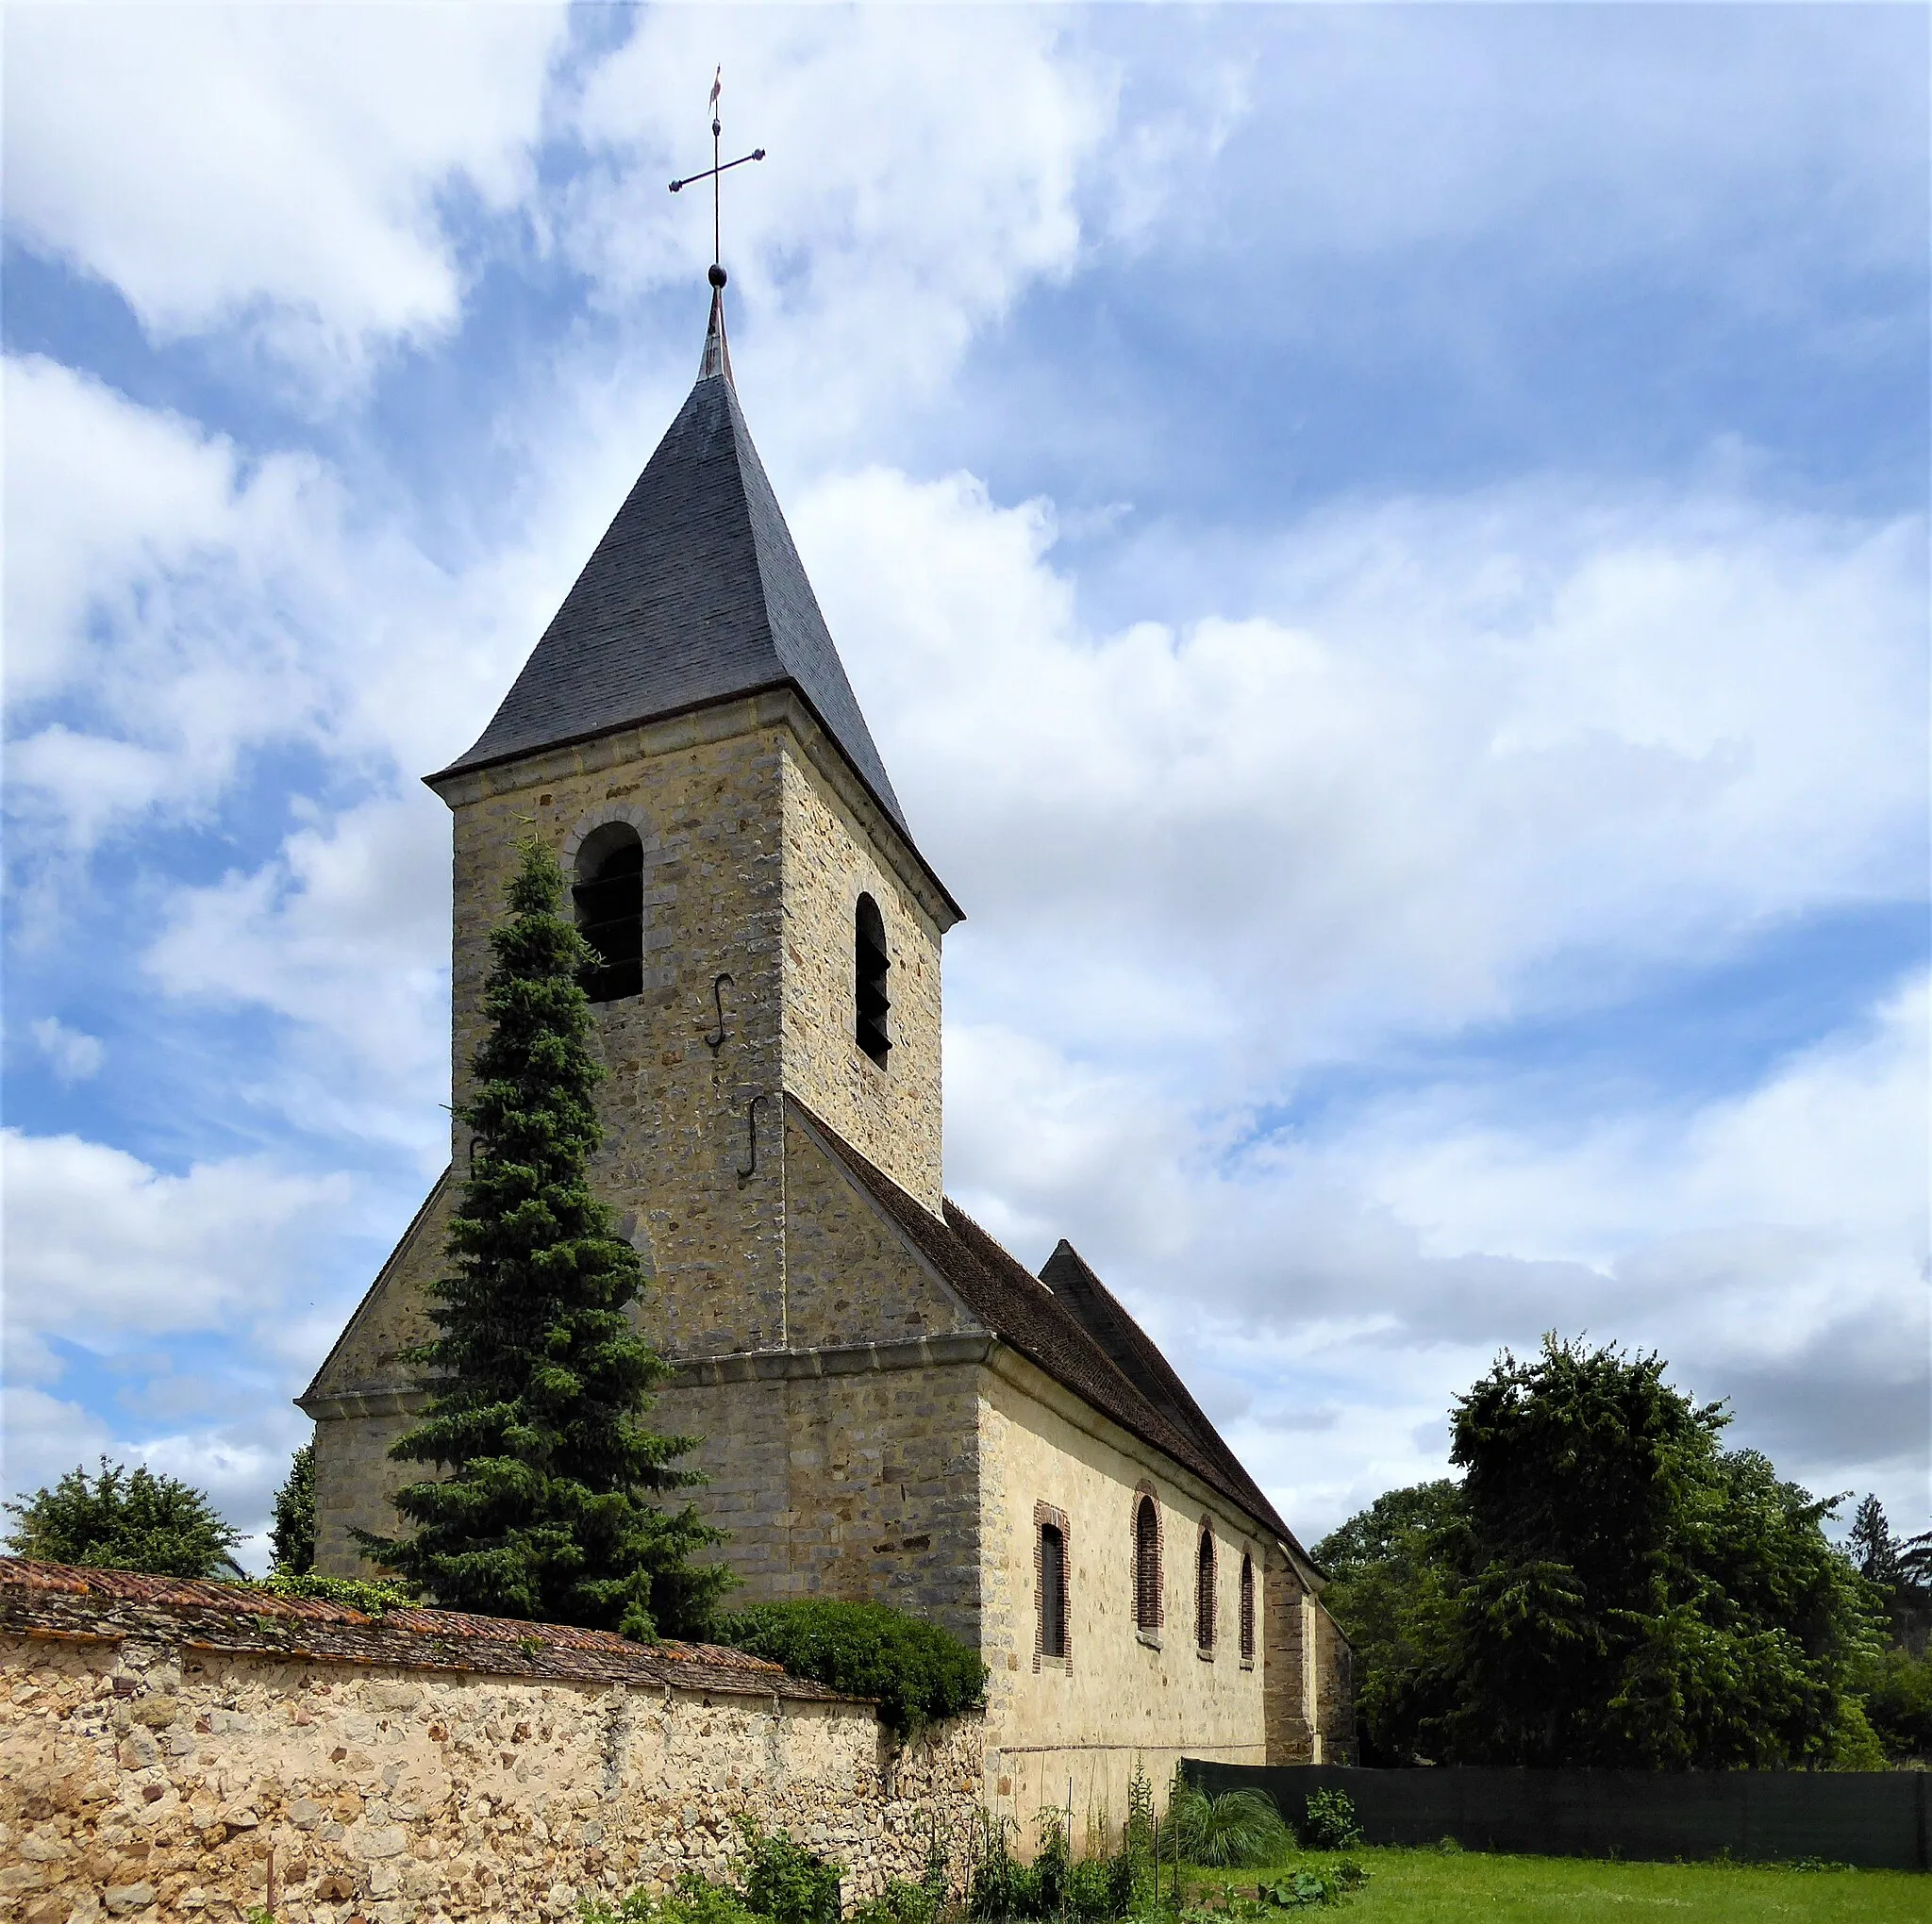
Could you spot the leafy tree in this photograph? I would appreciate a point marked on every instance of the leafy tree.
(1393, 1590)
(1607, 1585)
(537, 1383)
(293, 1532)
(125, 1520)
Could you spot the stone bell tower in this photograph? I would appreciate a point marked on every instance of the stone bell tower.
(685, 737)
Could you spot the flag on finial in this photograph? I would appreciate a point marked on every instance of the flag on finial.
(717, 88)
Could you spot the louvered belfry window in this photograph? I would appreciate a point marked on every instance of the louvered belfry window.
(1053, 1590)
(1247, 1609)
(1204, 1592)
(1146, 1565)
(609, 903)
(872, 963)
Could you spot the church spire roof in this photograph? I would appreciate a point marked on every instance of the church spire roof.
(717, 355)
(696, 595)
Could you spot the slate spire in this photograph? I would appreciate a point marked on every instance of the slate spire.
(696, 595)
(717, 354)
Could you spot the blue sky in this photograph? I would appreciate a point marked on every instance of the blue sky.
(1384, 548)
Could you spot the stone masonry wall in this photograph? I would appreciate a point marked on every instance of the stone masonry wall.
(1335, 1690)
(851, 1476)
(703, 794)
(153, 1780)
(1288, 1676)
(893, 1114)
(1121, 1699)
(851, 1276)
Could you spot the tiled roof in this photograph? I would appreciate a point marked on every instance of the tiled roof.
(60, 1599)
(696, 595)
(1030, 1317)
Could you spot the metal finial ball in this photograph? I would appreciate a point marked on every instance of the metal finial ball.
(717, 275)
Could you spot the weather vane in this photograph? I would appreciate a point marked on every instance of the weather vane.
(712, 174)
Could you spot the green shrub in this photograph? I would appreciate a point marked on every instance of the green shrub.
(916, 1672)
(371, 1596)
(900, 1902)
(785, 1881)
(1099, 1889)
(1225, 1832)
(1898, 1702)
(1307, 1888)
(690, 1901)
(1004, 1888)
(1330, 1821)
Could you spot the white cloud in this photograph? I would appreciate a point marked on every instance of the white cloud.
(346, 935)
(923, 172)
(75, 1056)
(41, 1438)
(173, 606)
(278, 166)
(1459, 739)
(1344, 1283)
(156, 591)
(1587, 140)
(237, 1465)
(101, 1248)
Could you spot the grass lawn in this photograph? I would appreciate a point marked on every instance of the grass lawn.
(1449, 1887)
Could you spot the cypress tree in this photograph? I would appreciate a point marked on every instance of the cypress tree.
(537, 1383)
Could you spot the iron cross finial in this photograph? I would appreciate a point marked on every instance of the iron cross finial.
(712, 174)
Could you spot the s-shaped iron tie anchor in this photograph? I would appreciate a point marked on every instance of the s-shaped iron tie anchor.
(716, 1041)
(751, 1132)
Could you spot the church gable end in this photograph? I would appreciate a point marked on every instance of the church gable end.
(852, 1276)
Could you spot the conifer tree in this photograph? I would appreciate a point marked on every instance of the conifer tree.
(293, 1532)
(537, 1383)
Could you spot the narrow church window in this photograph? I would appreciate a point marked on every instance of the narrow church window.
(1204, 1592)
(1053, 1590)
(1146, 1565)
(609, 897)
(1247, 1609)
(872, 963)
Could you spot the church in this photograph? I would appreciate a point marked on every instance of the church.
(891, 1406)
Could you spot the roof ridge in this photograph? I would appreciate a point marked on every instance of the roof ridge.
(991, 1280)
(1169, 1380)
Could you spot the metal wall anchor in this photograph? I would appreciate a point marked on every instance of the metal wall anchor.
(751, 1129)
(715, 1042)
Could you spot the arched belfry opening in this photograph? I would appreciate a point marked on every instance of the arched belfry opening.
(609, 896)
(871, 967)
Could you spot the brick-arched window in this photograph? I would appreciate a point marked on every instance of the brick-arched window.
(1247, 1608)
(871, 965)
(1204, 1591)
(1052, 1637)
(1146, 1562)
(609, 897)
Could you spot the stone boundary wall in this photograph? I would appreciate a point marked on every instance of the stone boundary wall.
(165, 1757)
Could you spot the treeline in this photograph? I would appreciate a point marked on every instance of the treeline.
(1605, 1584)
